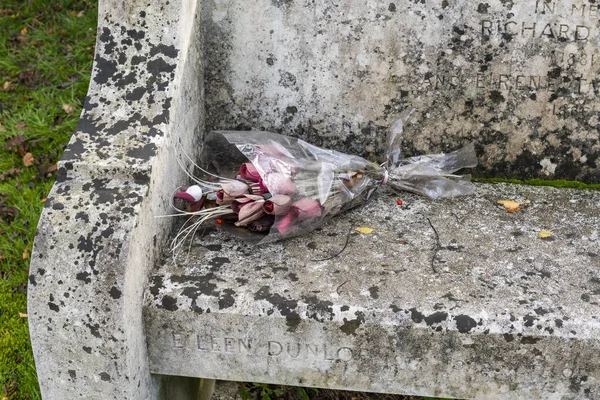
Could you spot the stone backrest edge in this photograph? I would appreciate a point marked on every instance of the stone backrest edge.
(98, 236)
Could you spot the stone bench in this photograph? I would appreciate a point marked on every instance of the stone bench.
(454, 298)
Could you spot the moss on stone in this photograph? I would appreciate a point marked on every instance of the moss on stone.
(561, 183)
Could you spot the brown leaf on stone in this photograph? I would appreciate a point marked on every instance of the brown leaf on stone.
(28, 160)
(68, 109)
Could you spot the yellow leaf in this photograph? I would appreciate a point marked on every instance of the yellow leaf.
(510, 205)
(24, 31)
(22, 315)
(365, 230)
(544, 234)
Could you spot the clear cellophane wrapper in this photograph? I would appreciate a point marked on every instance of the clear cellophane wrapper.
(294, 186)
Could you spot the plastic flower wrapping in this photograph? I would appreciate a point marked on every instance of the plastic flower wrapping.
(266, 187)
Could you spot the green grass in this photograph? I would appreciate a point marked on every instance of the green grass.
(46, 52)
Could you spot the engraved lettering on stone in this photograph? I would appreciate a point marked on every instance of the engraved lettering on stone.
(293, 349)
(345, 354)
(273, 348)
(178, 341)
(214, 344)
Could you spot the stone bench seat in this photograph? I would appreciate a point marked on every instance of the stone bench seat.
(453, 298)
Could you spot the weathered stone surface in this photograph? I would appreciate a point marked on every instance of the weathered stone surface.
(518, 77)
(98, 237)
(474, 305)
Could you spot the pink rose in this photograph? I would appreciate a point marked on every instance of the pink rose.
(249, 212)
(301, 210)
(230, 190)
(307, 208)
(249, 172)
(278, 204)
(278, 183)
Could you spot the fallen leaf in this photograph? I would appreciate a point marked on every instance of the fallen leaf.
(6, 86)
(23, 315)
(510, 205)
(24, 31)
(365, 230)
(68, 108)
(2, 128)
(26, 254)
(8, 214)
(20, 125)
(9, 174)
(80, 14)
(28, 160)
(544, 234)
(16, 144)
(45, 199)
(22, 288)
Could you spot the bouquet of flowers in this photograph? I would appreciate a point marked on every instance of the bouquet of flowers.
(268, 187)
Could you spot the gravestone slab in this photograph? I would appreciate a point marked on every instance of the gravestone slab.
(518, 77)
(455, 298)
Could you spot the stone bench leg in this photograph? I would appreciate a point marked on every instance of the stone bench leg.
(186, 388)
(98, 237)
